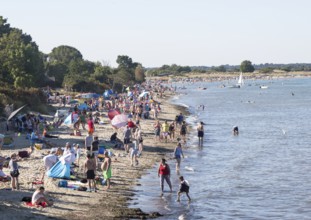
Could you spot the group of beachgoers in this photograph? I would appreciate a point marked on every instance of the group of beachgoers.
(137, 108)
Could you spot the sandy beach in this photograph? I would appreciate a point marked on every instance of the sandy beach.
(72, 204)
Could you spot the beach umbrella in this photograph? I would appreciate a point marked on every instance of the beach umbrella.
(144, 94)
(74, 101)
(89, 95)
(15, 112)
(119, 121)
(112, 113)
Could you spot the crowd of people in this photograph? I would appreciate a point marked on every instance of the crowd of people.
(138, 108)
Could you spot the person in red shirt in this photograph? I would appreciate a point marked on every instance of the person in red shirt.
(90, 124)
(164, 172)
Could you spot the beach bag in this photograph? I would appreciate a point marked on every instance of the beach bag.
(26, 199)
(82, 188)
(23, 154)
(62, 183)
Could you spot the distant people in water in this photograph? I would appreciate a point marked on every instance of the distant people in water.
(200, 130)
(201, 107)
(235, 130)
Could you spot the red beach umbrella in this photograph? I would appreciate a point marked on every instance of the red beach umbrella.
(112, 113)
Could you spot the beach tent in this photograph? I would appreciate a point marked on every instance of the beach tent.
(108, 93)
(61, 169)
(68, 120)
(61, 113)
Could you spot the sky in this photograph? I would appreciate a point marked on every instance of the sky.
(166, 32)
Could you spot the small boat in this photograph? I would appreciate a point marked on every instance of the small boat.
(263, 87)
(239, 84)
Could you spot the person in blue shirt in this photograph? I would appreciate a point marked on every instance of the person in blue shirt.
(178, 153)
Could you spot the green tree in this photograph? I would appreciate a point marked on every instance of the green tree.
(139, 74)
(124, 62)
(20, 59)
(247, 67)
(64, 54)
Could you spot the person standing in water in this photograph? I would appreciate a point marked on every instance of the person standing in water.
(200, 130)
(183, 188)
(164, 172)
(178, 153)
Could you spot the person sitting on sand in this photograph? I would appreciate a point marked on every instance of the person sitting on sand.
(3, 176)
(38, 198)
(183, 188)
(46, 135)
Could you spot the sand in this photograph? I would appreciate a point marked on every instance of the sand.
(72, 204)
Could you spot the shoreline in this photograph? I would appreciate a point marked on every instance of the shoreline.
(72, 204)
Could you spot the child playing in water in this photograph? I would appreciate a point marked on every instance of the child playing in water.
(183, 188)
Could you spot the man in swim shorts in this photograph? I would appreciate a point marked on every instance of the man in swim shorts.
(106, 167)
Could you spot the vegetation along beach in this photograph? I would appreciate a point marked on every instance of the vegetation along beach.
(123, 139)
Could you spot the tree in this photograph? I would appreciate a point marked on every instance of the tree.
(124, 62)
(139, 74)
(21, 61)
(65, 54)
(247, 67)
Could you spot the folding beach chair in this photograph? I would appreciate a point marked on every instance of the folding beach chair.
(101, 151)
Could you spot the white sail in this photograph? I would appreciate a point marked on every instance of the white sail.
(241, 81)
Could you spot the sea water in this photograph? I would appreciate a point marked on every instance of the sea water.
(263, 173)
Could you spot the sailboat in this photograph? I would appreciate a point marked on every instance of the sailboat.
(240, 82)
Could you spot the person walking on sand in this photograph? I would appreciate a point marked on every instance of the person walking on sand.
(200, 130)
(106, 167)
(127, 138)
(183, 188)
(178, 153)
(171, 130)
(14, 172)
(90, 167)
(88, 142)
(164, 172)
(157, 129)
(165, 130)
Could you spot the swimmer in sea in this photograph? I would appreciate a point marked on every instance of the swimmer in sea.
(235, 131)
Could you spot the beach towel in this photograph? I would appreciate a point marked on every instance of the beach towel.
(42, 204)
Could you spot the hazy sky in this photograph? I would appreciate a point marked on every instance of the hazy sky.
(158, 32)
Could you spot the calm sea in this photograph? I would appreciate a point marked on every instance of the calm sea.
(264, 173)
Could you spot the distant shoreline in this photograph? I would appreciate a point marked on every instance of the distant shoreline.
(219, 76)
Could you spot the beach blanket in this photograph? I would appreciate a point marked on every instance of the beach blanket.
(42, 204)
